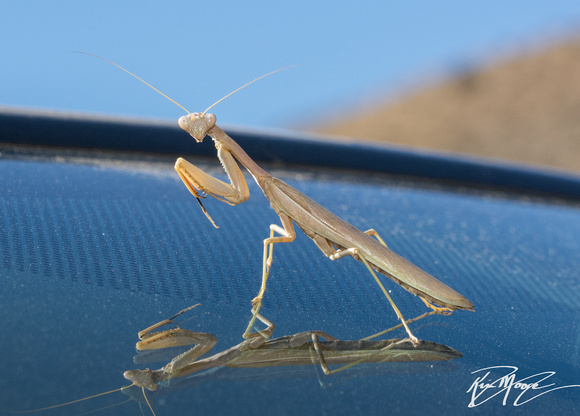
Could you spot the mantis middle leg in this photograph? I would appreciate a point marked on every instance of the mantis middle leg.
(287, 235)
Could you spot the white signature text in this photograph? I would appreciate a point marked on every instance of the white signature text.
(486, 387)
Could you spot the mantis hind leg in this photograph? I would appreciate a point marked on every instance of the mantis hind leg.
(378, 334)
(371, 232)
(319, 357)
(436, 309)
(337, 254)
(412, 337)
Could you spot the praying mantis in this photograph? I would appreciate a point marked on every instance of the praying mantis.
(335, 237)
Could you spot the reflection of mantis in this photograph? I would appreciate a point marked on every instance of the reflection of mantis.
(258, 351)
(333, 236)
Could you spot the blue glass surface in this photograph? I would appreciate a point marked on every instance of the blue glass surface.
(93, 251)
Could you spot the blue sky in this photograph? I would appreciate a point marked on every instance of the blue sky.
(196, 52)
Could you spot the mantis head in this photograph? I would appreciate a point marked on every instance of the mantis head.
(141, 378)
(197, 124)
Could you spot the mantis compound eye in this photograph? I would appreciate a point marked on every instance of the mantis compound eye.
(184, 122)
(210, 120)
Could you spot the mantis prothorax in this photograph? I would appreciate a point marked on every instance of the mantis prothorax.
(335, 237)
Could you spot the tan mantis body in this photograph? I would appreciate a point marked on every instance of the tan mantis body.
(335, 237)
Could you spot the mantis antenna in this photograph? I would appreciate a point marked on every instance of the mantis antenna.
(172, 100)
(80, 400)
(135, 76)
(245, 85)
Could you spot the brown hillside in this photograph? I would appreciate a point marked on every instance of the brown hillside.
(525, 109)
